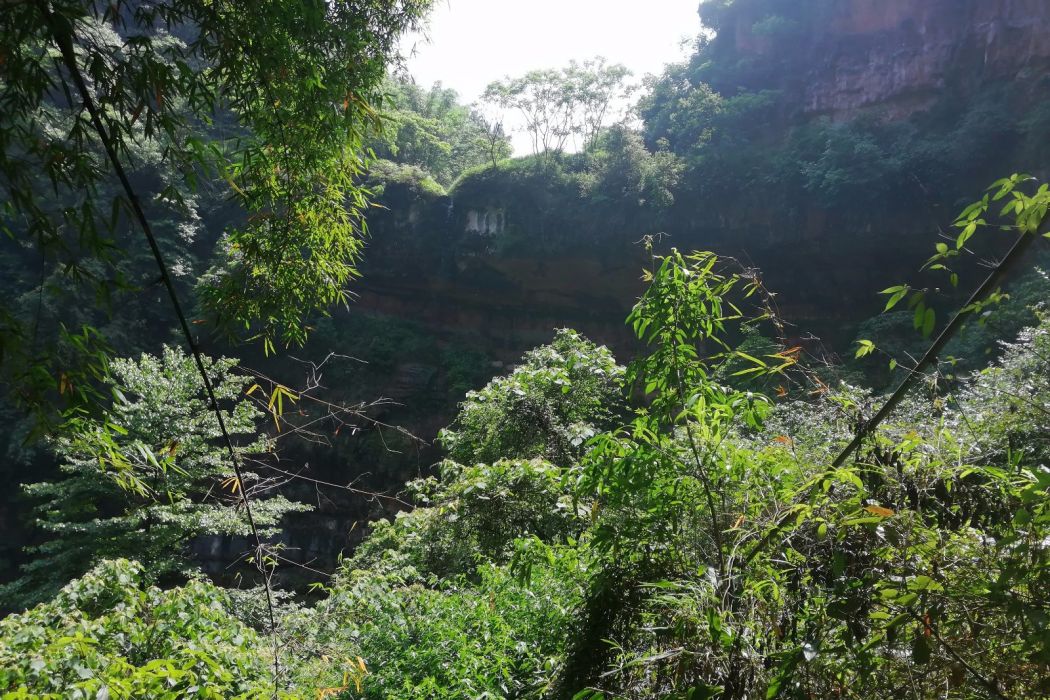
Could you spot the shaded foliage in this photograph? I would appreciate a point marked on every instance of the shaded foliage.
(212, 94)
(170, 482)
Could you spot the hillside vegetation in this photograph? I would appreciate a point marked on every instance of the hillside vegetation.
(697, 500)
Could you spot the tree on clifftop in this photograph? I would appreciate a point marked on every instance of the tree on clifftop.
(570, 104)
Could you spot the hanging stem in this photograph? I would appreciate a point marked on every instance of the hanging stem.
(63, 39)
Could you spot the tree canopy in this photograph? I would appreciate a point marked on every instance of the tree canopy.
(259, 100)
(734, 512)
(432, 130)
(567, 106)
(177, 484)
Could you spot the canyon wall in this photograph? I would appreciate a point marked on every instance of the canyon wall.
(900, 56)
(490, 270)
(506, 260)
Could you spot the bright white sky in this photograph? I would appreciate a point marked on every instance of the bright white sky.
(473, 42)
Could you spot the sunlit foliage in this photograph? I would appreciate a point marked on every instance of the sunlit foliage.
(109, 635)
(549, 406)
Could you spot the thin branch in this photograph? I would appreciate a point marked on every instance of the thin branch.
(1016, 252)
(1020, 246)
(63, 39)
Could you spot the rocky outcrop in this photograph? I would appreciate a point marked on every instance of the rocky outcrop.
(486, 222)
(899, 56)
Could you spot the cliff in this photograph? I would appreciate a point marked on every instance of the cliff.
(509, 256)
(888, 116)
(850, 132)
(898, 56)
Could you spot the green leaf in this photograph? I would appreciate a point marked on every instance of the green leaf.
(750, 358)
(929, 321)
(866, 347)
(704, 692)
(867, 520)
(896, 294)
(919, 316)
(924, 583)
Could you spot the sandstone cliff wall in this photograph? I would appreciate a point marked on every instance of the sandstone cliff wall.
(497, 268)
(902, 55)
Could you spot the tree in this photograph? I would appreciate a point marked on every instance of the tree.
(600, 92)
(258, 98)
(558, 105)
(432, 130)
(681, 113)
(542, 101)
(178, 486)
(622, 172)
(561, 395)
(712, 542)
(491, 119)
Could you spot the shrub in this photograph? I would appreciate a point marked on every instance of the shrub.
(108, 635)
(470, 516)
(561, 395)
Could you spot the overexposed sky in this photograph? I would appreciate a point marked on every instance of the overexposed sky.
(470, 43)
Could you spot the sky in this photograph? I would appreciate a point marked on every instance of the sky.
(470, 43)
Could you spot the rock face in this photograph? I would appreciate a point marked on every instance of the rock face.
(899, 56)
(480, 260)
(485, 222)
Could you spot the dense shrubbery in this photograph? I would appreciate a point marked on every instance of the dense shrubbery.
(875, 557)
(498, 638)
(472, 515)
(719, 555)
(704, 549)
(108, 635)
(472, 593)
(384, 174)
(147, 477)
(555, 401)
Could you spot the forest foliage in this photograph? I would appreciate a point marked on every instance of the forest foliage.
(726, 515)
(175, 483)
(259, 101)
(693, 538)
